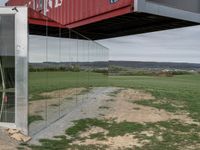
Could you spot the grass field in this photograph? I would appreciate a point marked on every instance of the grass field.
(184, 88)
(40, 82)
(180, 89)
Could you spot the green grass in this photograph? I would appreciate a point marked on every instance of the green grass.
(175, 136)
(179, 90)
(182, 88)
(34, 118)
(83, 125)
(104, 107)
(40, 82)
(62, 142)
(98, 136)
(114, 128)
(164, 105)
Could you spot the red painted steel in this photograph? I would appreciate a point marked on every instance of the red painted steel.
(39, 19)
(74, 13)
(17, 2)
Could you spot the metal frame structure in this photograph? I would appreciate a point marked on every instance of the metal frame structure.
(21, 67)
(179, 9)
(3, 88)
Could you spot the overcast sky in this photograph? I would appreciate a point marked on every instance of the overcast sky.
(178, 45)
(2, 2)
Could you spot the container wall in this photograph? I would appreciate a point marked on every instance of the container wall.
(77, 10)
(62, 74)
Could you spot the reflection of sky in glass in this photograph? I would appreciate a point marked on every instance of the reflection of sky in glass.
(51, 49)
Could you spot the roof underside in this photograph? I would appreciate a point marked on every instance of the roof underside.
(128, 24)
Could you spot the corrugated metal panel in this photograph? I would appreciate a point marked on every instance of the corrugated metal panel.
(69, 12)
(38, 18)
(83, 9)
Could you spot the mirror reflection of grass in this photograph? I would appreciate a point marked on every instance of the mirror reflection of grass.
(40, 82)
(34, 118)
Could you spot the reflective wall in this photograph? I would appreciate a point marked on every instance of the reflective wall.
(7, 69)
(62, 72)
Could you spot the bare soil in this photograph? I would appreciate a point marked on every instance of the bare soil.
(121, 107)
(125, 109)
(63, 93)
(93, 130)
(114, 143)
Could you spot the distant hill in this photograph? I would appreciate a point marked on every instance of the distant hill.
(125, 64)
(155, 65)
(97, 64)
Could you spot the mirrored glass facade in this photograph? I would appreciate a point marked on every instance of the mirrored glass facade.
(61, 67)
(62, 72)
(7, 69)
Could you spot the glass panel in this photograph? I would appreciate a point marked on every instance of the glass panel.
(81, 74)
(7, 68)
(37, 83)
(54, 77)
(69, 74)
(61, 72)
